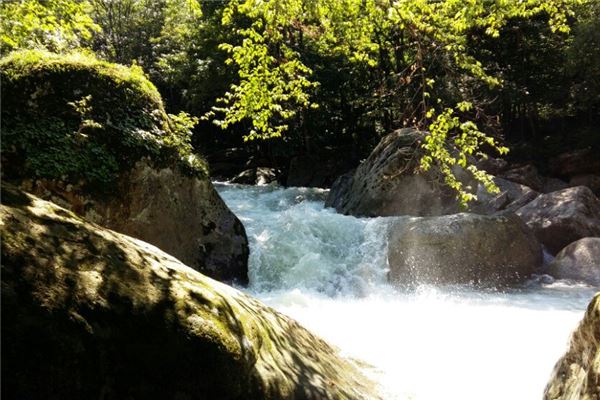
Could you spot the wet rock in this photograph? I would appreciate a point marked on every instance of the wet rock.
(576, 376)
(389, 183)
(91, 313)
(257, 176)
(562, 217)
(579, 261)
(461, 248)
(339, 190)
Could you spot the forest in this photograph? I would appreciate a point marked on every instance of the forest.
(279, 79)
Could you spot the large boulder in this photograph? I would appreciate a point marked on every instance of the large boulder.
(579, 261)
(389, 182)
(576, 376)
(95, 138)
(91, 313)
(461, 248)
(562, 217)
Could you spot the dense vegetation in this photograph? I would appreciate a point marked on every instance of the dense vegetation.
(289, 77)
(77, 119)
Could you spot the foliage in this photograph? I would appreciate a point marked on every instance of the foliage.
(341, 73)
(56, 25)
(420, 45)
(143, 31)
(79, 119)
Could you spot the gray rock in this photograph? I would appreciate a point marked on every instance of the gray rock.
(461, 248)
(525, 175)
(576, 375)
(562, 217)
(492, 165)
(389, 182)
(182, 215)
(579, 261)
(339, 190)
(257, 176)
(91, 313)
(510, 198)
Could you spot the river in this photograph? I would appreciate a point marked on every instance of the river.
(328, 271)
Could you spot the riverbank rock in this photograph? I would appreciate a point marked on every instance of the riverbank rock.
(579, 261)
(527, 175)
(553, 184)
(510, 198)
(388, 183)
(91, 313)
(575, 162)
(576, 376)
(562, 217)
(590, 180)
(94, 137)
(257, 176)
(461, 248)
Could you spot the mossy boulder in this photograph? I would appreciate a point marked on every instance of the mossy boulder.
(76, 118)
(576, 376)
(95, 138)
(91, 313)
(390, 182)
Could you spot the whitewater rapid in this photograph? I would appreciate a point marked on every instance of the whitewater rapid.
(328, 271)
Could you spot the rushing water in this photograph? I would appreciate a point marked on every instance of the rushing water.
(328, 271)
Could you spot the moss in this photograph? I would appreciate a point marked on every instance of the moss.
(78, 119)
(89, 312)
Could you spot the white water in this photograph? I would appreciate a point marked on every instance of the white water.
(454, 343)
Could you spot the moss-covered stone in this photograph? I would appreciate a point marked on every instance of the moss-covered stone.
(91, 313)
(79, 119)
(94, 137)
(576, 376)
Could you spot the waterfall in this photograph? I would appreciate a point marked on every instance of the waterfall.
(328, 271)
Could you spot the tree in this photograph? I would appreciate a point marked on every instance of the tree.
(430, 78)
(55, 25)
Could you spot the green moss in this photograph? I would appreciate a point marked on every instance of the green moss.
(87, 310)
(78, 119)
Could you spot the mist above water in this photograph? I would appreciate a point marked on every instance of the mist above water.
(328, 271)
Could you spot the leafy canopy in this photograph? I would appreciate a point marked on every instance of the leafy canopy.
(275, 83)
(55, 25)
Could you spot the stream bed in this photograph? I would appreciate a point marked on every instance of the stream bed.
(328, 271)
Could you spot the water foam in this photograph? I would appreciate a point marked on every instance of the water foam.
(328, 271)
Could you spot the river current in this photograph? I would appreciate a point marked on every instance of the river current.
(328, 271)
